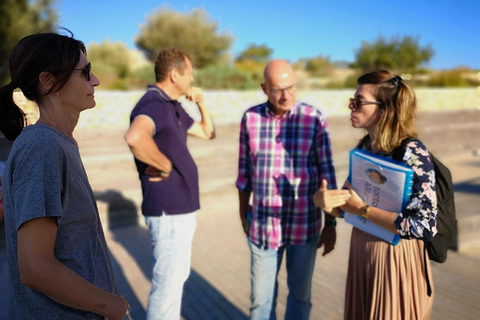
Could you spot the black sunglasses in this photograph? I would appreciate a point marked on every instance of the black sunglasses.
(357, 102)
(87, 71)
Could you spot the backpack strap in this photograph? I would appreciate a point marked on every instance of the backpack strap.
(397, 155)
(425, 257)
(399, 152)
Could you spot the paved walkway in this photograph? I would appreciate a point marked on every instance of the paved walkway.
(219, 284)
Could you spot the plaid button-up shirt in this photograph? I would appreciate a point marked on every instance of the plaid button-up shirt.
(282, 161)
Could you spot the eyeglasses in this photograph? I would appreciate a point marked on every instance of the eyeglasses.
(357, 102)
(87, 71)
(278, 92)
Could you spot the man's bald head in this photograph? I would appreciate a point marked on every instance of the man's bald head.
(279, 85)
(278, 71)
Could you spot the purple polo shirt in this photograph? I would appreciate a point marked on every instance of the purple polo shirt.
(179, 192)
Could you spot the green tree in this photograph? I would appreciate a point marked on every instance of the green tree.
(253, 60)
(396, 53)
(119, 67)
(191, 31)
(114, 55)
(19, 18)
(318, 66)
(259, 53)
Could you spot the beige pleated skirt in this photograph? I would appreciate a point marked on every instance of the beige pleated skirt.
(386, 282)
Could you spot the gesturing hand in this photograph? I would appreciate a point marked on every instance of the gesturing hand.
(354, 204)
(328, 199)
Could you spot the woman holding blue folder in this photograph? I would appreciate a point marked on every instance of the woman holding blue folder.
(386, 281)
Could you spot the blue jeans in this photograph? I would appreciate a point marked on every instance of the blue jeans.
(265, 264)
(172, 237)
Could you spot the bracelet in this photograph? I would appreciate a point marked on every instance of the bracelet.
(127, 313)
(365, 210)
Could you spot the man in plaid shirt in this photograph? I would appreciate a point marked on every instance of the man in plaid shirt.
(284, 155)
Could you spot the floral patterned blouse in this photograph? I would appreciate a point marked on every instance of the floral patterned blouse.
(420, 216)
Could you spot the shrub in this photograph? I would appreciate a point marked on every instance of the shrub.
(349, 82)
(459, 77)
(142, 76)
(119, 84)
(253, 67)
(223, 77)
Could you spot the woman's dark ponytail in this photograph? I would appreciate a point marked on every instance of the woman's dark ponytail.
(12, 118)
(42, 52)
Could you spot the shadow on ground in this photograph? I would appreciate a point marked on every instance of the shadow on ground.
(469, 186)
(120, 210)
(126, 291)
(201, 300)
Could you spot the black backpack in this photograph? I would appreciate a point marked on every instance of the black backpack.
(446, 219)
(446, 236)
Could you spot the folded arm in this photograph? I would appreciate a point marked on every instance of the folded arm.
(139, 139)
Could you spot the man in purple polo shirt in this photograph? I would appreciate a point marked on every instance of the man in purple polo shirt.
(157, 138)
(284, 155)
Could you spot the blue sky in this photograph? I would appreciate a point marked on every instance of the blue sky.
(296, 29)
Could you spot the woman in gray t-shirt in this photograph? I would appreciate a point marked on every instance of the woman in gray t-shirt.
(58, 259)
(5, 146)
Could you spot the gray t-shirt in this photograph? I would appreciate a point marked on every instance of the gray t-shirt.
(5, 146)
(44, 177)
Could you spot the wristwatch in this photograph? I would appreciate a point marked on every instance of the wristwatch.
(331, 223)
(365, 211)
